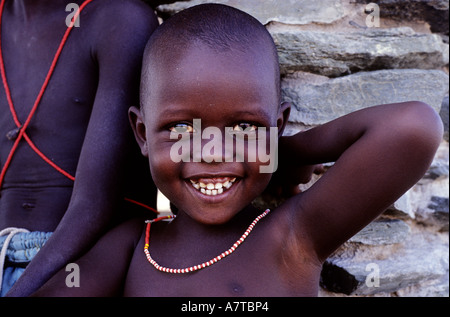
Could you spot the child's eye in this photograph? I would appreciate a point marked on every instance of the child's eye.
(245, 127)
(182, 128)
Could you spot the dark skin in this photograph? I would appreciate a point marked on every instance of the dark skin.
(81, 123)
(379, 152)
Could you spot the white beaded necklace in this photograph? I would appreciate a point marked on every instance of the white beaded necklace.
(204, 264)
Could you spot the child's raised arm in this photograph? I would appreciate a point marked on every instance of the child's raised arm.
(380, 152)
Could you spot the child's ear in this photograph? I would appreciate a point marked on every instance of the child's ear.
(283, 117)
(138, 126)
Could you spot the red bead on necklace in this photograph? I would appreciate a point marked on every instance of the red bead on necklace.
(204, 264)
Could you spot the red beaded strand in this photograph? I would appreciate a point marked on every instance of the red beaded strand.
(204, 264)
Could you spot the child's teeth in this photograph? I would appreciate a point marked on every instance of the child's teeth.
(212, 189)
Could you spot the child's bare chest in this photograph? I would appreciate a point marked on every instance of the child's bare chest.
(254, 269)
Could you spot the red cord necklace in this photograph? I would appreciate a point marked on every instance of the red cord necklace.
(204, 264)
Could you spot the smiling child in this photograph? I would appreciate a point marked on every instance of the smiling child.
(219, 65)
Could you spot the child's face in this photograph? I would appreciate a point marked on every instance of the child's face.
(223, 90)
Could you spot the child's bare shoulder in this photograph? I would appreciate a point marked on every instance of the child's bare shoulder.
(129, 230)
(117, 246)
(111, 255)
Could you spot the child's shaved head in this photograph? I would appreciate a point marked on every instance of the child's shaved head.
(221, 28)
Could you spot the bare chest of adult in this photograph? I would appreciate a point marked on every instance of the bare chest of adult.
(57, 111)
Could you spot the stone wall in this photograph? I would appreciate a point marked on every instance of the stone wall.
(336, 58)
